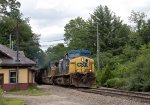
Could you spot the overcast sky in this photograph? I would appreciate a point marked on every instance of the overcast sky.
(48, 17)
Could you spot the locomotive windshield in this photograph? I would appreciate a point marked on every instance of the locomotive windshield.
(77, 53)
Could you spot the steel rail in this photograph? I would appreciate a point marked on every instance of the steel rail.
(138, 96)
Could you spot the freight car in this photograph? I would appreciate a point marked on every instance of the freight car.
(76, 69)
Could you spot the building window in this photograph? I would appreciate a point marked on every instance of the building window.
(13, 77)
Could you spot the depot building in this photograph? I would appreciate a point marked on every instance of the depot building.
(16, 70)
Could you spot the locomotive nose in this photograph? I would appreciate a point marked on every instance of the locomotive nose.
(83, 65)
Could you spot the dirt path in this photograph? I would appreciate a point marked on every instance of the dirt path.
(65, 96)
(43, 100)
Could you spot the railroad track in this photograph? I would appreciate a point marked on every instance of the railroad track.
(138, 96)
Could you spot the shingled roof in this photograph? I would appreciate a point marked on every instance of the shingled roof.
(8, 57)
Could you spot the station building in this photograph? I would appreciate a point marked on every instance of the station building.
(15, 73)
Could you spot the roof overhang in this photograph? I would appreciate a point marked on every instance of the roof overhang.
(6, 55)
(15, 65)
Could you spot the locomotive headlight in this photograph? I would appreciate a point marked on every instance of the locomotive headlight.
(82, 59)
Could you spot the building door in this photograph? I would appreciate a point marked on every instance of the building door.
(1, 80)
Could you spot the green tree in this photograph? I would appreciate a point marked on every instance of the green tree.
(113, 34)
(10, 16)
(139, 79)
(76, 33)
(141, 34)
(10, 8)
(7, 27)
(135, 40)
(56, 53)
(81, 34)
(145, 32)
(138, 19)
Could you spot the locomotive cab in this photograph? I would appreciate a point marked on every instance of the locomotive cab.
(81, 61)
(76, 61)
(78, 65)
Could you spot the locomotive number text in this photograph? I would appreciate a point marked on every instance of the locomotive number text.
(82, 64)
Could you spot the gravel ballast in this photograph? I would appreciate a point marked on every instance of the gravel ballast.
(65, 96)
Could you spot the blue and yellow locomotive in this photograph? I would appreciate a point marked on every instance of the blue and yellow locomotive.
(76, 69)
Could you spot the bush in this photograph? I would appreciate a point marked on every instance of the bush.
(146, 87)
(98, 78)
(105, 75)
(1, 97)
(124, 70)
(135, 86)
(105, 58)
(140, 75)
(129, 70)
(116, 82)
(130, 52)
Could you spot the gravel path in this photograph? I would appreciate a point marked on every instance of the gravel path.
(65, 96)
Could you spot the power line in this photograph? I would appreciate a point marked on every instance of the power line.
(54, 40)
(45, 45)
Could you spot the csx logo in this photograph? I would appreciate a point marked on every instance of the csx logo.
(82, 64)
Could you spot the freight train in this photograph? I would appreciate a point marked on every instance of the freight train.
(75, 69)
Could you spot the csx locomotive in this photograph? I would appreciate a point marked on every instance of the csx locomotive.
(76, 69)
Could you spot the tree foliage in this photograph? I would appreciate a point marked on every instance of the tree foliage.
(111, 31)
(138, 19)
(55, 53)
(10, 16)
(76, 33)
(134, 70)
(10, 8)
(124, 51)
(81, 34)
(145, 32)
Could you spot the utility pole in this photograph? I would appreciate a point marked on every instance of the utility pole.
(10, 41)
(12, 45)
(17, 40)
(98, 50)
(17, 45)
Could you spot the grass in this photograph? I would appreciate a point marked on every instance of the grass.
(32, 91)
(7, 101)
